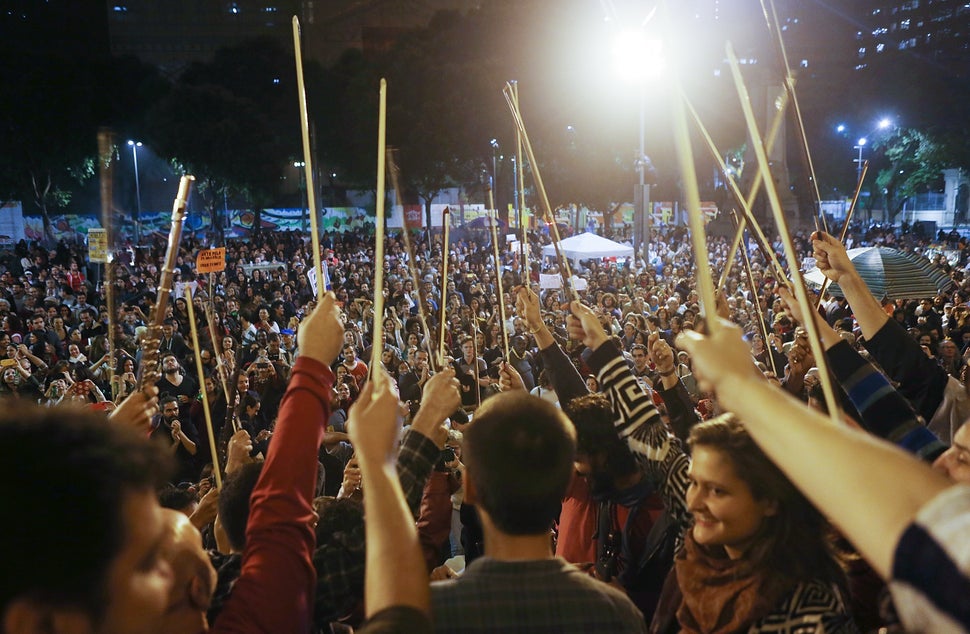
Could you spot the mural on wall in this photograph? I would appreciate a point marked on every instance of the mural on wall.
(74, 227)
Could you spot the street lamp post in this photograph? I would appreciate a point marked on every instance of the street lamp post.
(134, 155)
(858, 161)
(299, 165)
(642, 195)
(636, 59)
(495, 146)
(860, 145)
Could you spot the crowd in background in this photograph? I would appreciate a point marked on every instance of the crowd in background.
(54, 348)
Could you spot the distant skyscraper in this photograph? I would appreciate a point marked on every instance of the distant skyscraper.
(174, 33)
(935, 31)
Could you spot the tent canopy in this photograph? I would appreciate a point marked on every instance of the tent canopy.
(588, 246)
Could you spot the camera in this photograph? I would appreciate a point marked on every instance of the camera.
(447, 455)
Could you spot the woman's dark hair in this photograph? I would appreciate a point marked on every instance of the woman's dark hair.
(795, 542)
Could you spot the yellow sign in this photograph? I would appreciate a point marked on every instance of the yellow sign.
(211, 260)
(98, 245)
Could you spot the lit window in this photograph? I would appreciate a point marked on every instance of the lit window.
(804, 63)
(120, 8)
(880, 48)
(904, 24)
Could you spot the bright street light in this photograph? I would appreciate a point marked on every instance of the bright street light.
(637, 59)
(885, 123)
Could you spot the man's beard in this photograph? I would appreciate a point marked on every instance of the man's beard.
(600, 484)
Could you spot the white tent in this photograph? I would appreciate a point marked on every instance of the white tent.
(588, 246)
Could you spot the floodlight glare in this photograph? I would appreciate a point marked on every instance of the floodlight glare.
(635, 57)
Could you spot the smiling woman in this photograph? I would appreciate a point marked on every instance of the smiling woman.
(756, 554)
(757, 548)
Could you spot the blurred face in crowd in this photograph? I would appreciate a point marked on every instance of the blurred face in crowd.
(170, 411)
(639, 358)
(948, 349)
(10, 377)
(343, 391)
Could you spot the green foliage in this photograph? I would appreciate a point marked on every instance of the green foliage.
(232, 123)
(912, 160)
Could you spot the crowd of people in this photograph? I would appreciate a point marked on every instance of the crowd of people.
(613, 463)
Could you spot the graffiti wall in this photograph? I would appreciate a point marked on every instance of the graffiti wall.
(74, 227)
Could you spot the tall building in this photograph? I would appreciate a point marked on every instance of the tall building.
(172, 34)
(934, 31)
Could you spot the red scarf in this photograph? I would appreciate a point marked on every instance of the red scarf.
(717, 597)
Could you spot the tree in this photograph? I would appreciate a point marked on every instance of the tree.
(912, 160)
(51, 108)
(233, 124)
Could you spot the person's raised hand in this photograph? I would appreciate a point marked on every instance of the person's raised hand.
(791, 303)
(720, 357)
(321, 333)
(240, 446)
(527, 307)
(721, 306)
(584, 325)
(440, 397)
(137, 410)
(830, 256)
(509, 378)
(443, 573)
(660, 353)
(800, 361)
(205, 512)
(373, 423)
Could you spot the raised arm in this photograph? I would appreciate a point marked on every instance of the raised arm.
(920, 379)
(680, 407)
(882, 410)
(636, 418)
(275, 590)
(424, 441)
(563, 375)
(396, 577)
